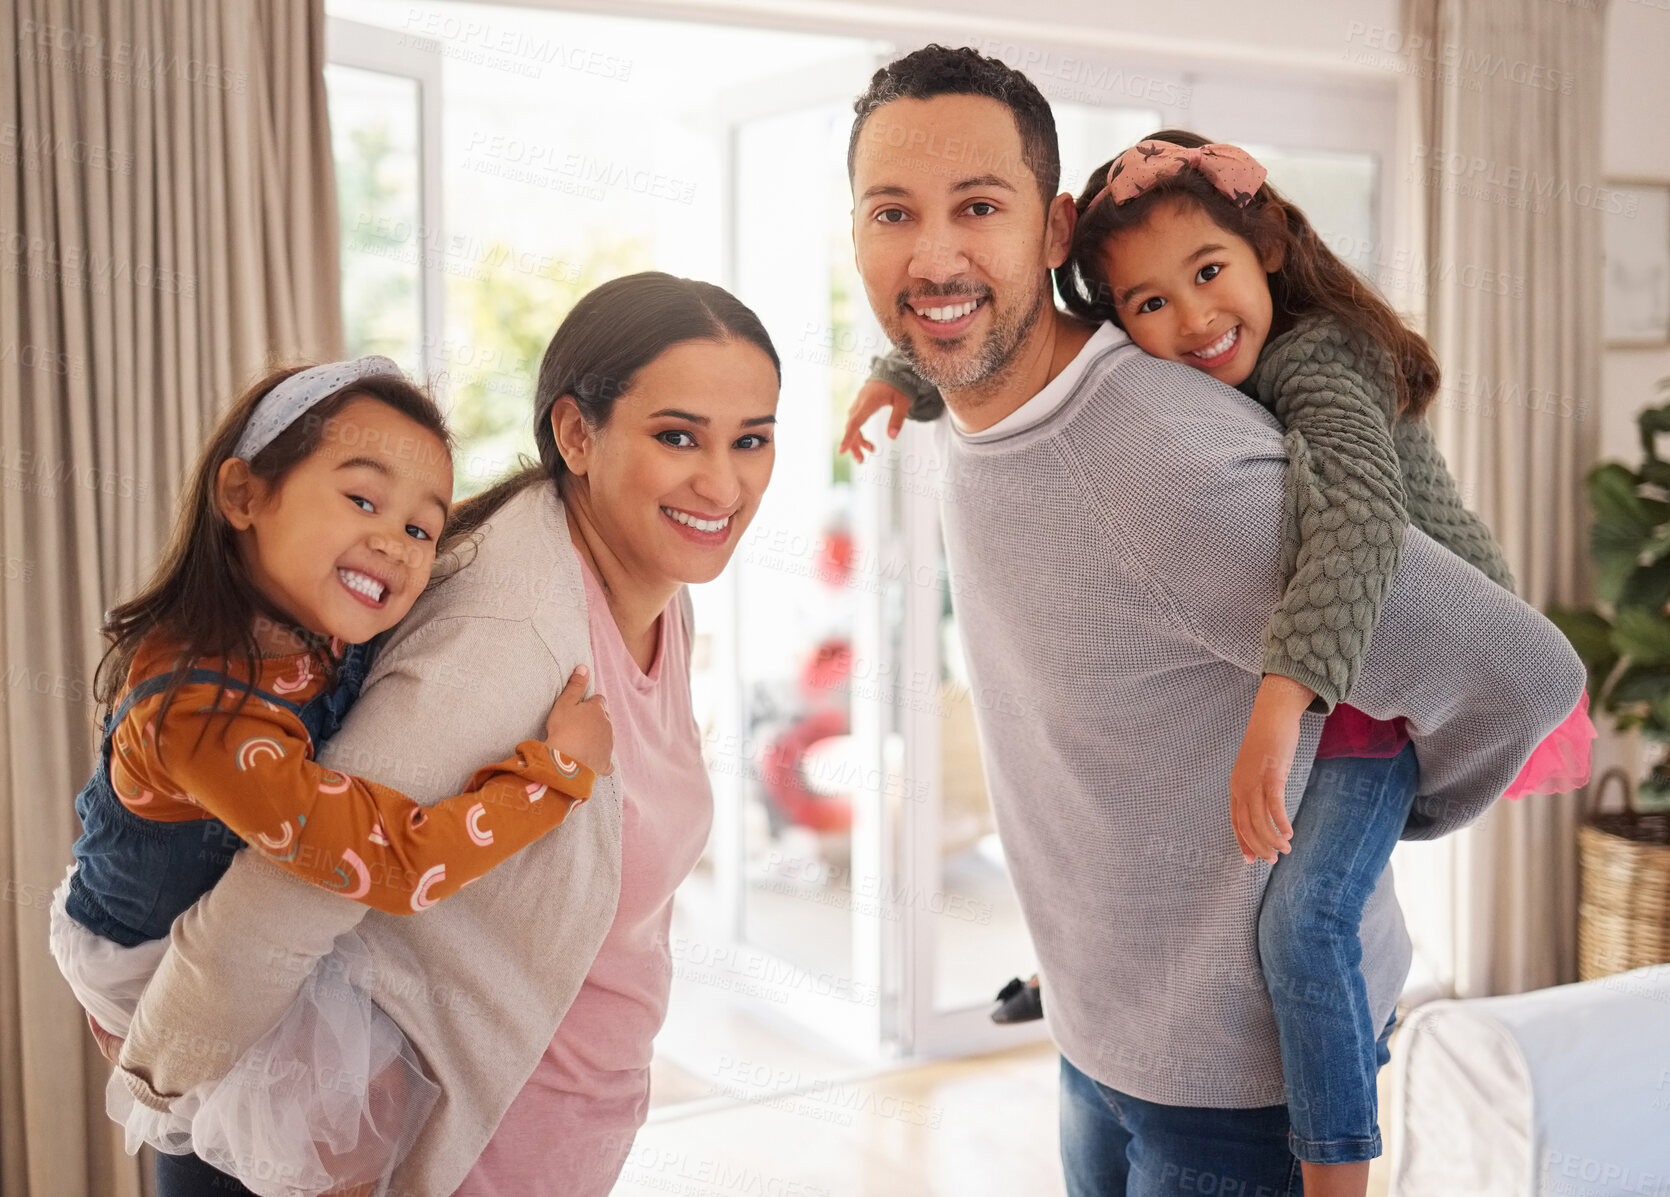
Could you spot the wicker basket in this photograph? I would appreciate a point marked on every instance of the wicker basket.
(1623, 913)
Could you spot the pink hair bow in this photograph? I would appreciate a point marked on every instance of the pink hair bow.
(1231, 169)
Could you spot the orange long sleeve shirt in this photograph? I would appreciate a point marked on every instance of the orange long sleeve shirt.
(255, 772)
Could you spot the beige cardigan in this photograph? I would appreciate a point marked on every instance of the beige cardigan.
(479, 982)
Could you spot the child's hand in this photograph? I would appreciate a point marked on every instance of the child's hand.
(579, 728)
(1258, 783)
(871, 398)
(110, 1047)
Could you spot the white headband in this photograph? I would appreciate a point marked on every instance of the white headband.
(280, 406)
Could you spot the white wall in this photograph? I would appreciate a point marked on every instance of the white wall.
(1635, 144)
(1318, 31)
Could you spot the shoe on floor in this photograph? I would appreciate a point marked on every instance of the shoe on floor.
(1019, 1002)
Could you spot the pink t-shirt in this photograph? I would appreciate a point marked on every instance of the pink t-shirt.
(568, 1131)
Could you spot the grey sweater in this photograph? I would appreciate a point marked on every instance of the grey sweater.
(1116, 559)
(480, 982)
(1357, 477)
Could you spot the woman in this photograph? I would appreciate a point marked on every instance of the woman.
(533, 996)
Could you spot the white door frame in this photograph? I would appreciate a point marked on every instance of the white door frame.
(374, 48)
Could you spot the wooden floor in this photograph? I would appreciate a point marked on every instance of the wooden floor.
(964, 1128)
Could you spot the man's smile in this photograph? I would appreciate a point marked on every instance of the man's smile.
(947, 317)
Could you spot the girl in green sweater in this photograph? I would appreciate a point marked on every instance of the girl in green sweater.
(1183, 245)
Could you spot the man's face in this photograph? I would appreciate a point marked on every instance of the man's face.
(951, 236)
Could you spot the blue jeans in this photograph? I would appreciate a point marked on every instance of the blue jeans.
(188, 1176)
(1310, 945)
(1115, 1145)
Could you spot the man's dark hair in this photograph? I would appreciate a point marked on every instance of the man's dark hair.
(937, 70)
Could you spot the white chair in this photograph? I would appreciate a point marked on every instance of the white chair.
(1563, 1092)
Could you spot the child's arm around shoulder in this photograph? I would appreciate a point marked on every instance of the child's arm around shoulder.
(249, 766)
(1191, 496)
(441, 697)
(1346, 513)
(893, 383)
(894, 369)
(1344, 521)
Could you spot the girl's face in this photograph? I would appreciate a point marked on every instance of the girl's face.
(1189, 291)
(346, 542)
(674, 478)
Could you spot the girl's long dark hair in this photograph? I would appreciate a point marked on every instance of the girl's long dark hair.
(615, 330)
(201, 596)
(1311, 278)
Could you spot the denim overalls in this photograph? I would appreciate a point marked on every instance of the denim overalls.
(133, 875)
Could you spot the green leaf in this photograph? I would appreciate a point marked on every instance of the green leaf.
(1647, 588)
(1613, 571)
(1652, 421)
(1624, 537)
(1657, 473)
(1616, 545)
(1589, 632)
(1642, 636)
(1591, 637)
(1618, 507)
(1640, 683)
(1656, 547)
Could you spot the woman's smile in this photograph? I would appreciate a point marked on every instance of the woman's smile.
(709, 530)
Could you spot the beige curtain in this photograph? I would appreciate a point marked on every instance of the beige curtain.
(167, 227)
(1508, 172)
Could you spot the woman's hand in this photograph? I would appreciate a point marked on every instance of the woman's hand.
(871, 398)
(579, 727)
(1258, 783)
(110, 1047)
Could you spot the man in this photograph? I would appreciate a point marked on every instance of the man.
(1114, 523)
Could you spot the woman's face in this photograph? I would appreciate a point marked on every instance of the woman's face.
(674, 478)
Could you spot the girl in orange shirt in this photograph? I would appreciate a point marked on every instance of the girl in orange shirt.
(310, 527)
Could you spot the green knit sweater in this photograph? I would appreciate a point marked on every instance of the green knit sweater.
(1358, 475)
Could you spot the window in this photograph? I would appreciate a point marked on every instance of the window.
(383, 102)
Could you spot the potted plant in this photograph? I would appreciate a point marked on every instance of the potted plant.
(1624, 640)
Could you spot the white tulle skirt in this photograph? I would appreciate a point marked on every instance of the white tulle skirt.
(331, 1098)
(105, 977)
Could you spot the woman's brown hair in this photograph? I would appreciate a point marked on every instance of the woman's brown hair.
(201, 596)
(1311, 278)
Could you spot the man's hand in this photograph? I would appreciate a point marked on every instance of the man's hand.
(871, 398)
(1258, 783)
